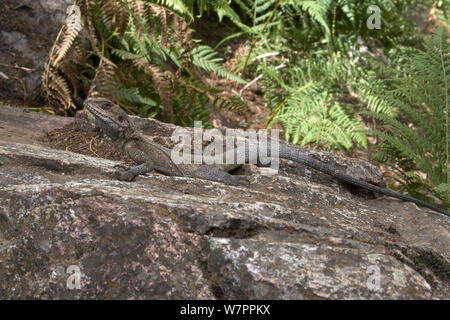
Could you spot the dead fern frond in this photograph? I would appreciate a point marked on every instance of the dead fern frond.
(70, 70)
(54, 87)
(139, 9)
(163, 14)
(77, 54)
(104, 81)
(59, 94)
(182, 32)
(115, 15)
(87, 5)
(161, 84)
(71, 28)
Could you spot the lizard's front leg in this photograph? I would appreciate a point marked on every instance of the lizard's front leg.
(130, 174)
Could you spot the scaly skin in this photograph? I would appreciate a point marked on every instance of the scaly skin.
(297, 156)
(150, 155)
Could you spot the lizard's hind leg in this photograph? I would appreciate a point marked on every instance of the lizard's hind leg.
(129, 175)
(215, 174)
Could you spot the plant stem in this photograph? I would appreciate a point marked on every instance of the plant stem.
(306, 86)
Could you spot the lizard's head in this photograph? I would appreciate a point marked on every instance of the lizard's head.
(111, 118)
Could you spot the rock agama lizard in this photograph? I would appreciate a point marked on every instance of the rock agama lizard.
(150, 155)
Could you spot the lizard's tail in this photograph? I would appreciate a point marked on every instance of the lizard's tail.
(299, 157)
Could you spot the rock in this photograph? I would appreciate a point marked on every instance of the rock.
(287, 236)
(28, 29)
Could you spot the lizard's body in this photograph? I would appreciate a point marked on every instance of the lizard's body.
(150, 155)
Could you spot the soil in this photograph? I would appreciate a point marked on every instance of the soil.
(254, 114)
(79, 137)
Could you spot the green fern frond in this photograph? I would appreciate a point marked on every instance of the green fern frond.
(177, 6)
(317, 10)
(206, 58)
(420, 145)
(443, 11)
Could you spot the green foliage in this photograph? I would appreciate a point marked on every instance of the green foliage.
(160, 69)
(417, 147)
(177, 6)
(206, 58)
(443, 10)
(326, 42)
(144, 58)
(336, 66)
(314, 111)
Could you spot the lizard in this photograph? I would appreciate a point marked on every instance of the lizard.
(149, 155)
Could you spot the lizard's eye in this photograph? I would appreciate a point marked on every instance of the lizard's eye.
(106, 106)
(120, 118)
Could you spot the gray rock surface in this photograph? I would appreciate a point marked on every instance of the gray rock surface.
(287, 236)
(27, 31)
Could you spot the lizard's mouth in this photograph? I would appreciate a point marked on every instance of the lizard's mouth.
(107, 124)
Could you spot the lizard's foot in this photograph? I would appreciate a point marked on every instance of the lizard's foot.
(239, 181)
(119, 174)
(122, 166)
(129, 175)
(122, 176)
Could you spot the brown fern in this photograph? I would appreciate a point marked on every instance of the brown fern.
(115, 15)
(103, 84)
(54, 87)
(59, 93)
(139, 9)
(161, 84)
(86, 9)
(71, 29)
(61, 76)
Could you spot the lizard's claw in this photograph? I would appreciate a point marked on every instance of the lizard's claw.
(241, 180)
(129, 174)
(122, 176)
(122, 166)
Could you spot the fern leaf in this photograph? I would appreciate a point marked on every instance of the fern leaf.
(206, 58)
(72, 28)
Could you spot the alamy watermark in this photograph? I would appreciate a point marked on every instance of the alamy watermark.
(74, 279)
(374, 21)
(373, 281)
